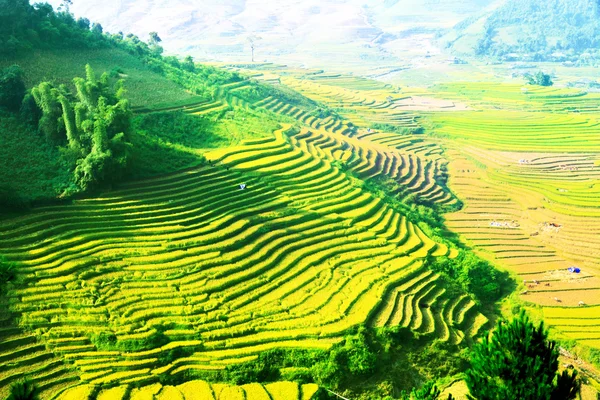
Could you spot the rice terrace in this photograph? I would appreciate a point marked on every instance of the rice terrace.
(260, 200)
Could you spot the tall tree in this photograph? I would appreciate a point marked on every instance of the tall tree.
(154, 38)
(519, 362)
(95, 123)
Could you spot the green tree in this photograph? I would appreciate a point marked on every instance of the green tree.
(188, 64)
(23, 390)
(95, 123)
(50, 124)
(154, 38)
(12, 88)
(540, 79)
(518, 362)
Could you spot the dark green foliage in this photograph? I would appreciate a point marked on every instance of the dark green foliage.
(473, 274)
(181, 128)
(155, 339)
(23, 389)
(32, 170)
(8, 271)
(23, 26)
(188, 64)
(12, 88)
(355, 357)
(264, 369)
(540, 79)
(104, 341)
(94, 123)
(439, 359)
(29, 112)
(429, 391)
(519, 362)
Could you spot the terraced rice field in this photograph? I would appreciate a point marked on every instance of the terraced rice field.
(196, 390)
(529, 180)
(221, 273)
(301, 251)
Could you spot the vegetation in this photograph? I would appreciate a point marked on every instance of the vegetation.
(94, 125)
(474, 275)
(7, 271)
(518, 361)
(427, 392)
(279, 233)
(555, 30)
(12, 88)
(23, 390)
(540, 79)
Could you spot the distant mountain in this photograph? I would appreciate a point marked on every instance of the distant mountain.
(555, 30)
(308, 31)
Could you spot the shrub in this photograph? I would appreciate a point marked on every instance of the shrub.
(23, 390)
(7, 271)
(473, 274)
(12, 88)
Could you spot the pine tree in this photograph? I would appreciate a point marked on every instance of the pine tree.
(518, 362)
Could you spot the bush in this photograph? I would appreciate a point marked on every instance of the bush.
(8, 271)
(264, 369)
(12, 88)
(473, 274)
(23, 390)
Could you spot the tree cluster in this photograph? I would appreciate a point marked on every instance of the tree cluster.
(553, 30)
(24, 26)
(93, 124)
(473, 275)
(540, 79)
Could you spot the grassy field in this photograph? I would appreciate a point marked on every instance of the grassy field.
(144, 87)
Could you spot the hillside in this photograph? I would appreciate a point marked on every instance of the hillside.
(171, 229)
(556, 30)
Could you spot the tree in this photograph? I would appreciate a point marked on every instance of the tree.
(97, 28)
(12, 88)
(66, 5)
(23, 390)
(95, 124)
(518, 362)
(155, 39)
(188, 64)
(540, 79)
(252, 40)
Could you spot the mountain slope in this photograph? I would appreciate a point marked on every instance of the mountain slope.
(536, 29)
(308, 32)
